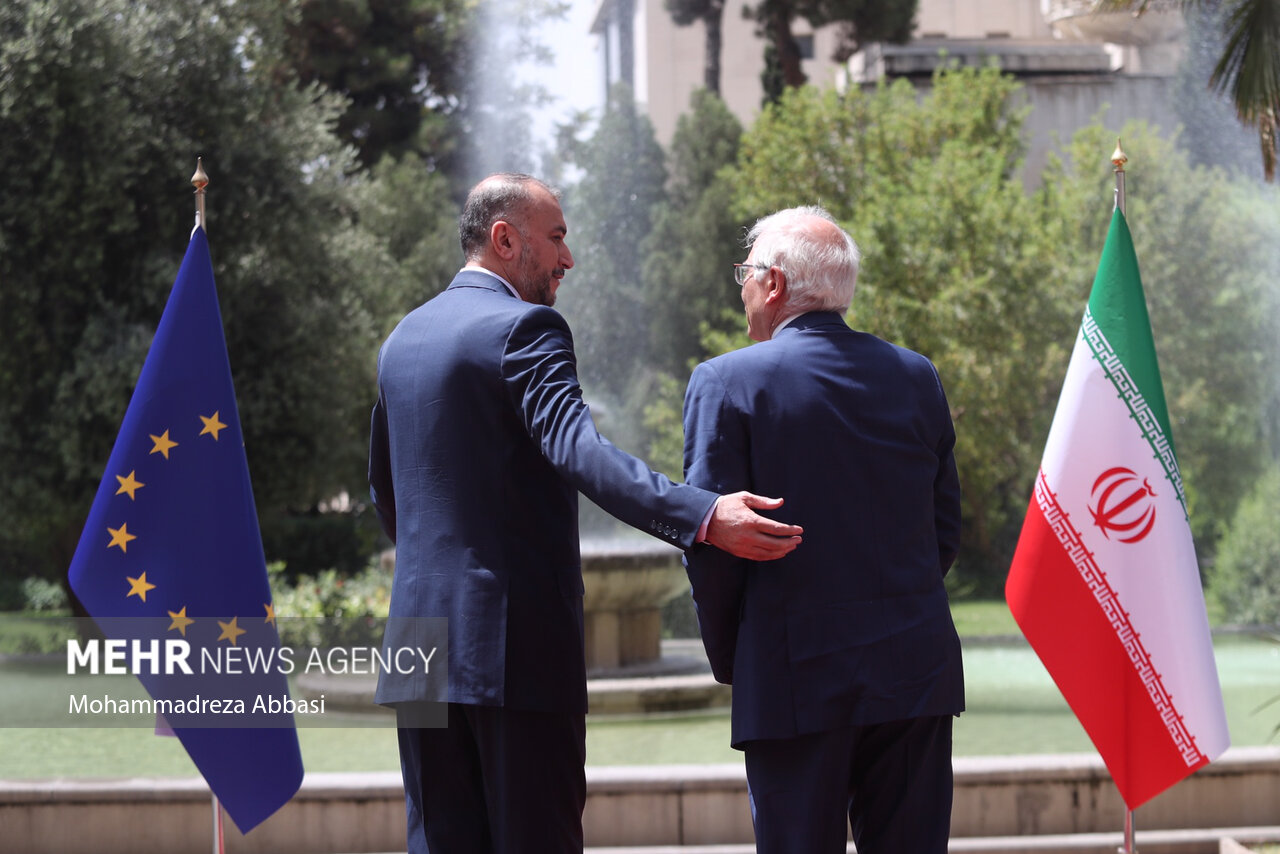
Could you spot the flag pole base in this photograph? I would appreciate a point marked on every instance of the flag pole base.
(1129, 847)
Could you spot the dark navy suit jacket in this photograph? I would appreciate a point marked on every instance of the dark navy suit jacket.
(854, 626)
(479, 445)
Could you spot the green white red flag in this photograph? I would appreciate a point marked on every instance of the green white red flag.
(1104, 582)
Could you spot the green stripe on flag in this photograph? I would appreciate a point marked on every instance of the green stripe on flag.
(1118, 330)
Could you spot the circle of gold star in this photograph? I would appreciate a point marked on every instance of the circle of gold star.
(129, 485)
(180, 620)
(120, 536)
(163, 444)
(212, 425)
(230, 631)
(139, 587)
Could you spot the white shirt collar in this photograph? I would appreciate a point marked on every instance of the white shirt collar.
(783, 325)
(477, 268)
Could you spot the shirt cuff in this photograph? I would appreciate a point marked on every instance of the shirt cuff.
(706, 521)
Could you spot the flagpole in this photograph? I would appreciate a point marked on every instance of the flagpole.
(1129, 847)
(1119, 159)
(200, 180)
(219, 838)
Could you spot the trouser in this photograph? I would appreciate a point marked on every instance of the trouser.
(891, 781)
(495, 781)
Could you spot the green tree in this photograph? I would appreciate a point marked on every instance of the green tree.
(963, 265)
(711, 14)
(688, 257)
(103, 107)
(433, 78)
(610, 214)
(1206, 249)
(406, 205)
(688, 283)
(956, 256)
(860, 22)
(1245, 582)
(390, 59)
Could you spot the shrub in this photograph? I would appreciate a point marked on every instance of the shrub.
(1246, 577)
(329, 610)
(41, 594)
(308, 544)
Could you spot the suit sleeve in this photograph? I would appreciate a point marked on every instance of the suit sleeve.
(715, 458)
(540, 373)
(946, 489)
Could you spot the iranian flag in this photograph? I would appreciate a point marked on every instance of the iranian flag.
(1104, 582)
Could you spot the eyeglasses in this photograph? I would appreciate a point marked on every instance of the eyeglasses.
(742, 272)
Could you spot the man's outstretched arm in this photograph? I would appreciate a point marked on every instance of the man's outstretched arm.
(540, 372)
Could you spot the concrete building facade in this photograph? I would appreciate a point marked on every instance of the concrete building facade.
(1073, 64)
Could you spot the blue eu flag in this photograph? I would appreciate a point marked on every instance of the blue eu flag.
(172, 541)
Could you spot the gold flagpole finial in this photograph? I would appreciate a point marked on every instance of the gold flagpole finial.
(1119, 159)
(200, 180)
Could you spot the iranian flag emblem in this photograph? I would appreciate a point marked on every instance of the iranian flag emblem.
(1104, 582)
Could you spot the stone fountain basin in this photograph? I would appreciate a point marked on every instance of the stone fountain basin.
(626, 583)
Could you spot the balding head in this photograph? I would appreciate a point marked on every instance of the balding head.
(506, 197)
(512, 226)
(818, 256)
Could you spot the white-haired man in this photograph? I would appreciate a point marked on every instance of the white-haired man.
(843, 657)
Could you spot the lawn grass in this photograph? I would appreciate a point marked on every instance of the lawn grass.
(985, 618)
(29, 633)
(1013, 707)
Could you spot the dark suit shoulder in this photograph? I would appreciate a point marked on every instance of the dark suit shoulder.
(478, 300)
(537, 325)
(908, 357)
(873, 346)
(780, 361)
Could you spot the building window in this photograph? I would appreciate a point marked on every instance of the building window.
(805, 45)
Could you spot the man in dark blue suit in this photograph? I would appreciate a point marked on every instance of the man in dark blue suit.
(479, 445)
(844, 661)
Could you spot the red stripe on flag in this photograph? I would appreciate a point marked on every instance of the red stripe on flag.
(1075, 639)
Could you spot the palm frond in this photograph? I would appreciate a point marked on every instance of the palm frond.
(1249, 70)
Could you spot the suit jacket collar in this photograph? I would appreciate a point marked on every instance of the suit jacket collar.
(812, 319)
(473, 278)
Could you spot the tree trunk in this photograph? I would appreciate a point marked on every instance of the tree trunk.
(785, 45)
(713, 21)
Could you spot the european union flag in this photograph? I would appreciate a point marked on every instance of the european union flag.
(172, 542)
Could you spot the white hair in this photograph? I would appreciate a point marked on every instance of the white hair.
(821, 263)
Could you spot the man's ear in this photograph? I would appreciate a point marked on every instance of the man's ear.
(505, 240)
(777, 286)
